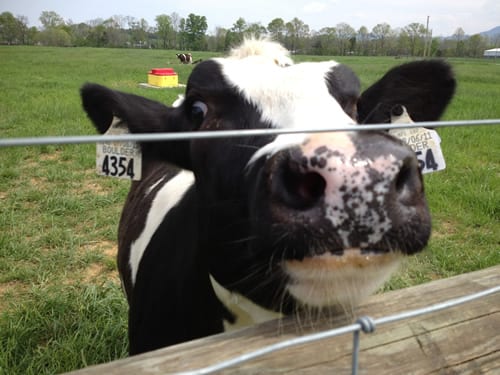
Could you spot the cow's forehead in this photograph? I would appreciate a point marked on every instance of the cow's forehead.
(287, 97)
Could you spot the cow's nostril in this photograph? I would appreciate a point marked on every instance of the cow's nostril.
(408, 177)
(402, 177)
(302, 190)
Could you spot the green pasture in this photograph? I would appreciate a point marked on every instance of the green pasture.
(61, 306)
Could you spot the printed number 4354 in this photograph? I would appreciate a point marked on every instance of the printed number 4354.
(118, 166)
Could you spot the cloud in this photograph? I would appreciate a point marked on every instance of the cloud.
(314, 7)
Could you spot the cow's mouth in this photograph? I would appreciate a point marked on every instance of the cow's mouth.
(339, 278)
(352, 257)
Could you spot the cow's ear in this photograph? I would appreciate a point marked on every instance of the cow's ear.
(424, 87)
(141, 115)
(344, 86)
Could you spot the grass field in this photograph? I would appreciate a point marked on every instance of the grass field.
(61, 307)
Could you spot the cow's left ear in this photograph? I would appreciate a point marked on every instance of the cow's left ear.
(425, 88)
(141, 115)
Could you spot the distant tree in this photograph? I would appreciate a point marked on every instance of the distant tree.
(22, 29)
(403, 43)
(237, 31)
(217, 41)
(327, 41)
(256, 30)
(181, 34)
(345, 34)
(416, 37)
(114, 34)
(363, 39)
(14, 30)
(50, 19)
(119, 21)
(434, 47)
(476, 44)
(81, 34)
(458, 36)
(381, 33)
(97, 36)
(175, 19)
(99, 21)
(32, 35)
(296, 31)
(195, 29)
(165, 30)
(54, 36)
(9, 32)
(232, 40)
(277, 29)
(139, 32)
(239, 26)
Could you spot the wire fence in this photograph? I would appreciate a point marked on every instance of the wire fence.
(157, 137)
(365, 324)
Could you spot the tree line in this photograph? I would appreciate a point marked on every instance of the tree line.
(190, 34)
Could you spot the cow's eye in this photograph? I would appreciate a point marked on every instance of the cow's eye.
(198, 111)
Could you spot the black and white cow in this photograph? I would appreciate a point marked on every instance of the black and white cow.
(185, 58)
(290, 221)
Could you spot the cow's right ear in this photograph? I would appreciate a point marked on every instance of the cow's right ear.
(141, 116)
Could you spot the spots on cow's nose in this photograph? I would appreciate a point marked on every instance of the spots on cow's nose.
(360, 187)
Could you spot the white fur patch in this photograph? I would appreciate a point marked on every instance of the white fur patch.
(152, 187)
(166, 198)
(293, 97)
(246, 312)
(177, 102)
(331, 280)
(263, 48)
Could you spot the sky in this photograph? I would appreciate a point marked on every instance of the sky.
(473, 16)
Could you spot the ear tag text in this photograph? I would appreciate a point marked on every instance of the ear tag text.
(426, 143)
(119, 159)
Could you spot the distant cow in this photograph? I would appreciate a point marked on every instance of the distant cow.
(291, 222)
(185, 58)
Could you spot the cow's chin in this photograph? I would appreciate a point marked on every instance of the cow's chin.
(343, 281)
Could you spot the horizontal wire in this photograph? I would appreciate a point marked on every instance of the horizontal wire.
(177, 136)
(339, 331)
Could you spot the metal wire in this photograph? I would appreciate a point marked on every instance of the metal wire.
(366, 324)
(157, 137)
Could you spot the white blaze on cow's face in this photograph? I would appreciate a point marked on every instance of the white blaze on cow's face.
(294, 96)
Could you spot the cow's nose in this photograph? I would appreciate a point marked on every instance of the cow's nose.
(358, 180)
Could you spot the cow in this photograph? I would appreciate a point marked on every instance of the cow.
(291, 222)
(185, 58)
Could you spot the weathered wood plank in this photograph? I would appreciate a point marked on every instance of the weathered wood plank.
(463, 339)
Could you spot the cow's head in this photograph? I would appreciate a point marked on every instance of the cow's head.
(303, 219)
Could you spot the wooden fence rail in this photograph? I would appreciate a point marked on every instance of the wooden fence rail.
(460, 340)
